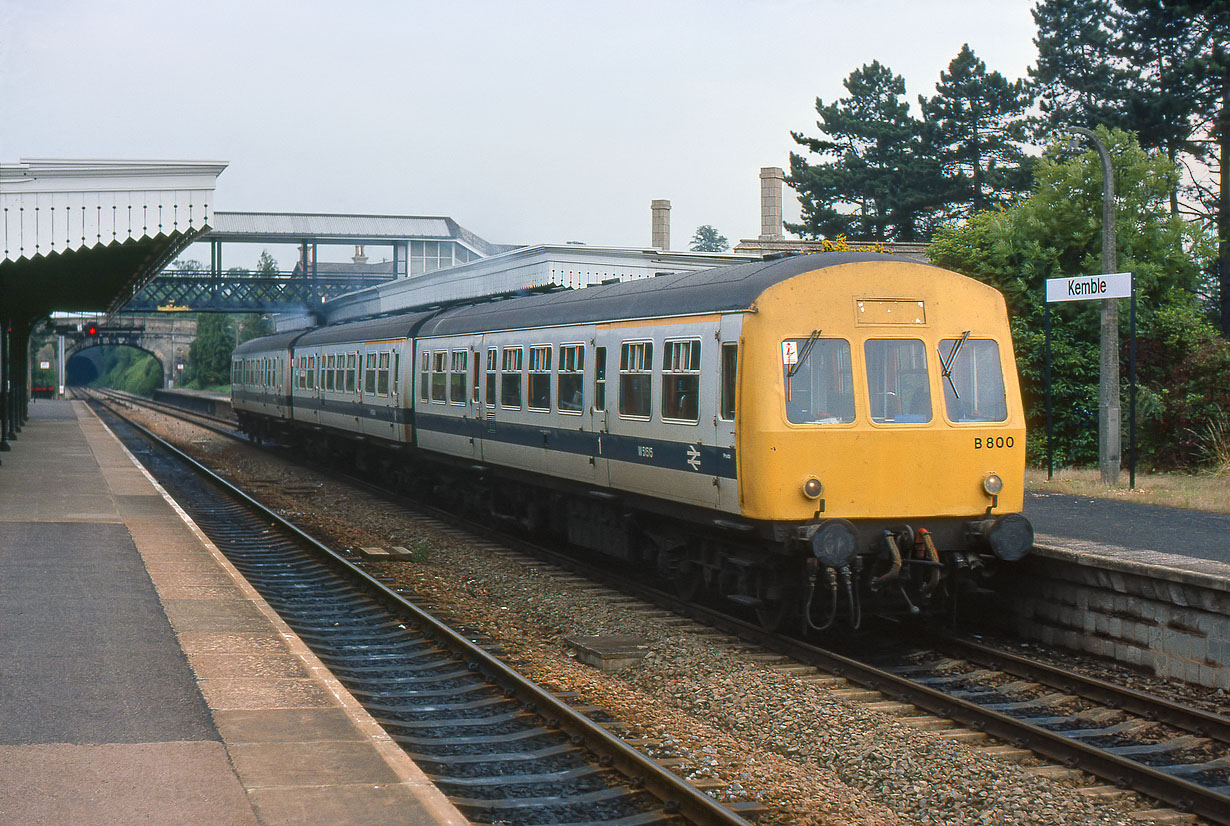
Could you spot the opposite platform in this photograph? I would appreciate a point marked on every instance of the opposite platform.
(142, 680)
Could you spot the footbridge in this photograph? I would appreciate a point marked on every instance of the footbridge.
(416, 245)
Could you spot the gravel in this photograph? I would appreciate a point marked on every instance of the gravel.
(808, 755)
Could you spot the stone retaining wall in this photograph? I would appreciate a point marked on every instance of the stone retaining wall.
(1165, 613)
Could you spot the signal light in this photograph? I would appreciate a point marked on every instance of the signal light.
(92, 330)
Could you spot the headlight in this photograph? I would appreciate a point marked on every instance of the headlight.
(833, 542)
(992, 484)
(812, 488)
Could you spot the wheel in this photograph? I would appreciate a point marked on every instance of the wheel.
(776, 605)
(690, 581)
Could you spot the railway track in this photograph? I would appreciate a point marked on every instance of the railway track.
(1131, 741)
(503, 749)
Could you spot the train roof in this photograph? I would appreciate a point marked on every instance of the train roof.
(675, 294)
(704, 291)
(398, 326)
(277, 341)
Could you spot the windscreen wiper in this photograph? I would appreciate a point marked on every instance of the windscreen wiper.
(804, 352)
(946, 363)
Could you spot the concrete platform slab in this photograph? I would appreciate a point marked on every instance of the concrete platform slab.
(121, 785)
(142, 680)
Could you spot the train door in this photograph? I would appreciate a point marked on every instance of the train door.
(687, 405)
(466, 381)
(727, 391)
(598, 411)
(486, 363)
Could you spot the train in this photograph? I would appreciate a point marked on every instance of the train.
(814, 438)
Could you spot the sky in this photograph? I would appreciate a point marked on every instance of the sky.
(526, 121)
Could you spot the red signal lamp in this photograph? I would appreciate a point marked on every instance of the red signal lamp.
(92, 330)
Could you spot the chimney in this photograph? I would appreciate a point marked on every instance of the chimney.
(771, 180)
(359, 257)
(661, 224)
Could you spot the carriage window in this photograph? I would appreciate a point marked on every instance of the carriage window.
(897, 380)
(571, 377)
(492, 361)
(339, 377)
(818, 380)
(329, 363)
(540, 378)
(382, 376)
(635, 378)
(477, 379)
(350, 372)
(973, 380)
(311, 373)
(510, 378)
(439, 376)
(730, 365)
(458, 364)
(600, 378)
(369, 374)
(681, 380)
(425, 377)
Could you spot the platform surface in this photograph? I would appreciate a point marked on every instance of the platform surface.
(1186, 541)
(143, 681)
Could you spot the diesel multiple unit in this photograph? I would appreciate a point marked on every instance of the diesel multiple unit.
(810, 437)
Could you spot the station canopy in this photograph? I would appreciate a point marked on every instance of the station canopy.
(86, 235)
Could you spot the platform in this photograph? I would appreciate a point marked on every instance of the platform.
(1191, 544)
(143, 681)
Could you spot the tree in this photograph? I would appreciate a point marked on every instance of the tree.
(707, 239)
(209, 355)
(253, 325)
(974, 124)
(1160, 68)
(877, 184)
(1078, 78)
(1056, 231)
(266, 265)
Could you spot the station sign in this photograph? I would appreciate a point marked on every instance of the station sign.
(1089, 287)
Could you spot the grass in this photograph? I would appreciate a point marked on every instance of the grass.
(1193, 491)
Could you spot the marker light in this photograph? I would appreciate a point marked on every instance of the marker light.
(812, 488)
(992, 484)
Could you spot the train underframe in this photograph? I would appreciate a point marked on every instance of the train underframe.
(817, 577)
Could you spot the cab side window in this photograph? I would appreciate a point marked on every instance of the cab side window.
(730, 368)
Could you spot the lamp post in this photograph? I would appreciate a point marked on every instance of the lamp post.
(1109, 438)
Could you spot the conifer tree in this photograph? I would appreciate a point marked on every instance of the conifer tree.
(1078, 78)
(874, 182)
(974, 124)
